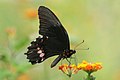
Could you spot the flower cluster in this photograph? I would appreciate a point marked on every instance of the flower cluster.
(89, 67)
(85, 66)
(69, 69)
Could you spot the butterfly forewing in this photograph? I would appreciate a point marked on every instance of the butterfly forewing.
(51, 27)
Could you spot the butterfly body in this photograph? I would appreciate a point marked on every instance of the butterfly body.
(53, 41)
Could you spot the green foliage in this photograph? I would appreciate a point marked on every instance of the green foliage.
(96, 22)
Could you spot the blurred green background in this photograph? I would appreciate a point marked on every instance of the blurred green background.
(95, 21)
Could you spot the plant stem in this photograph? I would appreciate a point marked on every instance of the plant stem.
(89, 76)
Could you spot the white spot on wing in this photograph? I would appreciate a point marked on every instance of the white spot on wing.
(40, 51)
(38, 48)
(37, 61)
(42, 54)
(42, 59)
(41, 36)
(47, 37)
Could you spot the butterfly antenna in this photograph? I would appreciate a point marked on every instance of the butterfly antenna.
(78, 45)
(61, 61)
(83, 49)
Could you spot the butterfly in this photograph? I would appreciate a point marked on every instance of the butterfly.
(53, 39)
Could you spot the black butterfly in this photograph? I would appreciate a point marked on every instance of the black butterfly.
(53, 39)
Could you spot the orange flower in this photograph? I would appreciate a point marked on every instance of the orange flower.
(31, 13)
(23, 77)
(73, 69)
(85, 66)
(89, 67)
(10, 32)
(69, 69)
(64, 68)
(98, 66)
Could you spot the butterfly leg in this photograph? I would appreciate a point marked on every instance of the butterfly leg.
(74, 58)
(61, 61)
(69, 61)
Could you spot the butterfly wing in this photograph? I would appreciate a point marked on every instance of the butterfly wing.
(50, 26)
(54, 38)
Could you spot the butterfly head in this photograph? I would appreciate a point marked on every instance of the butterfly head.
(72, 51)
